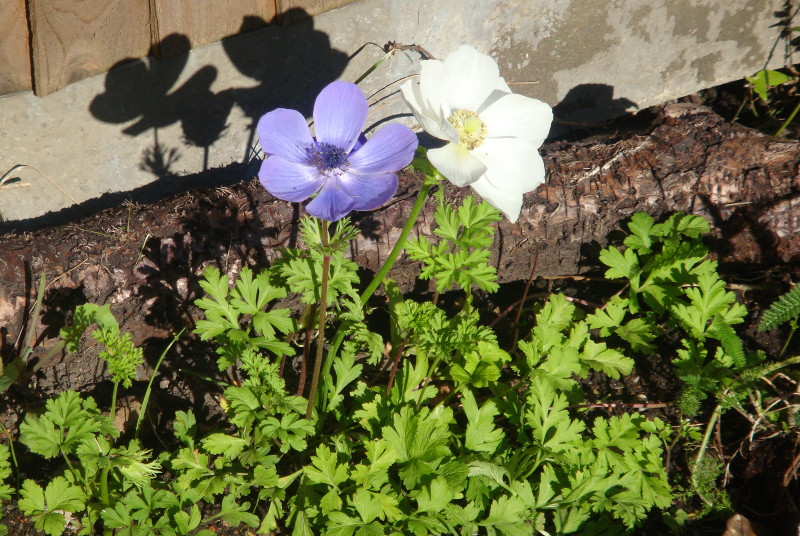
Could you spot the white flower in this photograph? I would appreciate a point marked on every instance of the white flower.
(493, 134)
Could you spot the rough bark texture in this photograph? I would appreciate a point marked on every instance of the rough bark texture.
(145, 259)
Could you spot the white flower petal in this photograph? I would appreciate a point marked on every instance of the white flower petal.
(456, 163)
(432, 121)
(518, 116)
(508, 203)
(471, 78)
(513, 165)
(503, 86)
(432, 88)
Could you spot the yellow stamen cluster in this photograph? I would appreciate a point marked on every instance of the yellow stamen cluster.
(471, 130)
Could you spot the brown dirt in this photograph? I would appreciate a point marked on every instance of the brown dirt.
(145, 260)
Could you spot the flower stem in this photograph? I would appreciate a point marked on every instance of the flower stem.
(428, 183)
(400, 245)
(149, 390)
(114, 401)
(323, 313)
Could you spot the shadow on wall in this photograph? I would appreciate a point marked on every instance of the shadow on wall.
(290, 65)
(585, 107)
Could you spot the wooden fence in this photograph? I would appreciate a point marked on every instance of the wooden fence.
(46, 45)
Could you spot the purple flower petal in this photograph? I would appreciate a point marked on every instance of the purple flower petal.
(289, 181)
(331, 203)
(368, 191)
(389, 150)
(339, 114)
(285, 133)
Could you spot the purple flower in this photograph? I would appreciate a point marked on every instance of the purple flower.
(345, 170)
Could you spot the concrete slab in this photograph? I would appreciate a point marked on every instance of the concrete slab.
(150, 128)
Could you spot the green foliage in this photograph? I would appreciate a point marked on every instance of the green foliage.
(48, 507)
(673, 283)
(461, 256)
(671, 279)
(5, 489)
(463, 436)
(120, 354)
(765, 80)
(67, 423)
(300, 270)
(786, 309)
(237, 320)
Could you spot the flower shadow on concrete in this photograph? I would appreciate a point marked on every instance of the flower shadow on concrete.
(289, 65)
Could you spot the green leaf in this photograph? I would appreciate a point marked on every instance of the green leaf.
(507, 514)
(346, 371)
(380, 457)
(229, 446)
(786, 308)
(32, 500)
(608, 319)
(620, 264)
(301, 525)
(549, 421)
(767, 79)
(325, 469)
(482, 435)
(639, 333)
(435, 496)
(482, 366)
(495, 473)
(46, 506)
(236, 514)
(185, 427)
(367, 505)
(640, 240)
(187, 521)
(67, 422)
(599, 357)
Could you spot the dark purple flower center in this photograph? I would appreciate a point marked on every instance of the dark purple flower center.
(330, 157)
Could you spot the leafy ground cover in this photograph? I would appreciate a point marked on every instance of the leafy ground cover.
(641, 397)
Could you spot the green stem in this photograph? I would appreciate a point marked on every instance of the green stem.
(399, 246)
(76, 476)
(114, 401)
(104, 485)
(428, 377)
(793, 326)
(323, 312)
(149, 389)
(13, 455)
(703, 444)
(769, 369)
(789, 120)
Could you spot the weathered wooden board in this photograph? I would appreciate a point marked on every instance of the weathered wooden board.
(206, 21)
(74, 39)
(290, 11)
(15, 53)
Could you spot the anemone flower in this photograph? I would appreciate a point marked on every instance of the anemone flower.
(493, 134)
(344, 169)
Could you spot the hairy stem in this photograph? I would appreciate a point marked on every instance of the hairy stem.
(323, 313)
